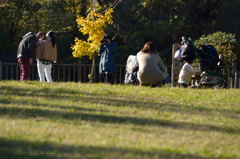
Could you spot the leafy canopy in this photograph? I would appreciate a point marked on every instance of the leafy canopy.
(93, 26)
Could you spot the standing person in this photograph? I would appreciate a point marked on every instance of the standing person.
(107, 65)
(151, 68)
(186, 73)
(39, 50)
(40, 37)
(25, 53)
(46, 55)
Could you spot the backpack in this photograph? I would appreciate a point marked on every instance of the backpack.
(178, 54)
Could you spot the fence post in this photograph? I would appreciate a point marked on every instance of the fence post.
(236, 82)
(0, 70)
(236, 74)
(233, 75)
(176, 66)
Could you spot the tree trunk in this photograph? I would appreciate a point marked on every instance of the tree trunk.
(93, 70)
(100, 2)
(83, 9)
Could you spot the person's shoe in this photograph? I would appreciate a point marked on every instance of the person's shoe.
(154, 85)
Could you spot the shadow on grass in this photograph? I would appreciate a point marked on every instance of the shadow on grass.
(110, 100)
(15, 149)
(92, 98)
(23, 113)
(40, 105)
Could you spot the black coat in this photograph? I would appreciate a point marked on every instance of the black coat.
(26, 48)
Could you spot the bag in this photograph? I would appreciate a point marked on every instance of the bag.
(131, 78)
(132, 63)
(178, 54)
(131, 70)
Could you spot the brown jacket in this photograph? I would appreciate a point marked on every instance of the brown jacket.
(45, 51)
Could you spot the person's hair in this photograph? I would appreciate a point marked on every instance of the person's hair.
(40, 34)
(52, 35)
(189, 61)
(149, 47)
(105, 38)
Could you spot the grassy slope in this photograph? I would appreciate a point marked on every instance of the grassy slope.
(97, 121)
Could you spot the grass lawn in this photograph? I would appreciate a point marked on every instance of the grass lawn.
(97, 121)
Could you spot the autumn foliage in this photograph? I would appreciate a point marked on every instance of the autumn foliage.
(93, 26)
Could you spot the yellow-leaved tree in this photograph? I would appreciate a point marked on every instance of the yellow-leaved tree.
(93, 26)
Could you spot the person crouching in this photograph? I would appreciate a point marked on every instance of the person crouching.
(186, 74)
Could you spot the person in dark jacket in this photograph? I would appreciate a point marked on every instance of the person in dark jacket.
(107, 65)
(25, 53)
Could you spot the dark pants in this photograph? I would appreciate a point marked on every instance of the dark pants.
(25, 68)
(107, 77)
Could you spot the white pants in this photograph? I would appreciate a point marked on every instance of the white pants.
(44, 70)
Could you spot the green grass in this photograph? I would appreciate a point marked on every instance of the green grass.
(97, 121)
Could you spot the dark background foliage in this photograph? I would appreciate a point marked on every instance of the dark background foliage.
(136, 22)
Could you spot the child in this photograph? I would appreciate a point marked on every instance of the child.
(186, 74)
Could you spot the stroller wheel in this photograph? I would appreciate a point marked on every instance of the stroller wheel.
(203, 86)
(217, 86)
(220, 86)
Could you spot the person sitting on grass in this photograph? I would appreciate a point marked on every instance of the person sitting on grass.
(186, 73)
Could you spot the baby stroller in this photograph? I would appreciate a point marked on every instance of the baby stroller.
(210, 62)
(131, 70)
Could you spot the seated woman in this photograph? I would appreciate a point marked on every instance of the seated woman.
(151, 68)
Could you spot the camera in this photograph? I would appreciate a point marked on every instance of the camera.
(105, 38)
(104, 41)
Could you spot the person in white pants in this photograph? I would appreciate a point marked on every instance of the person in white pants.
(44, 70)
(46, 55)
